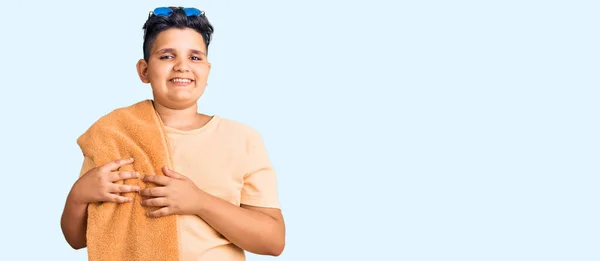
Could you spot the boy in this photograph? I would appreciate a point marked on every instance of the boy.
(221, 187)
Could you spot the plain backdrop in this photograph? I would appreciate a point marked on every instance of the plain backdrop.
(400, 130)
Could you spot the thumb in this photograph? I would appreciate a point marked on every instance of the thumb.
(171, 173)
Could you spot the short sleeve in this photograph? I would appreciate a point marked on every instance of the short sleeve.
(260, 182)
(87, 165)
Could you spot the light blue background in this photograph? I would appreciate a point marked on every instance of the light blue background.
(400, 130)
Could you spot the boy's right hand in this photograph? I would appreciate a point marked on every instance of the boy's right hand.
(97, 184)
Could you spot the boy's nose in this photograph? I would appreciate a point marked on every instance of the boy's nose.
(181, 66)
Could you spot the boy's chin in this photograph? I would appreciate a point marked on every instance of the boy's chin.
(177, 102)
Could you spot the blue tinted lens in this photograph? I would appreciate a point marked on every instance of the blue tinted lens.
(192, 11)
(163, 11)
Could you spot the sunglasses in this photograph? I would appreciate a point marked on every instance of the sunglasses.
(165, 11)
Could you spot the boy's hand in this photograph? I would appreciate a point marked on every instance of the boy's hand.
(96, 185)
(176, 194)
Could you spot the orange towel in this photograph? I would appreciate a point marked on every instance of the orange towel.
(122, 231)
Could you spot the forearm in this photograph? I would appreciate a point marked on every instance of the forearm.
(250, 230)
(74, 222)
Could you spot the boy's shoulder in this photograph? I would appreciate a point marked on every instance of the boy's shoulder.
(126, 114)
(236, 135)
(236, 128)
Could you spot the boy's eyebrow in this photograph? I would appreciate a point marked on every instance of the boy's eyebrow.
(171, 50)
(166, 50)
(194, 51)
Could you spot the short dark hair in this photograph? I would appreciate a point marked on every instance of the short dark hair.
(178, 19)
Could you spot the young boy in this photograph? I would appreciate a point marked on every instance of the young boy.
(222, 188)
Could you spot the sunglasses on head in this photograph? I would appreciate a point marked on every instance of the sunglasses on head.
(165, 11)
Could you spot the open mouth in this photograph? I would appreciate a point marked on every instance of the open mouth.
(181, 80)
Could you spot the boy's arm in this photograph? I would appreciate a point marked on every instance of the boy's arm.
(74, 222)
(257, 226)
(259, 230)
(74, 217)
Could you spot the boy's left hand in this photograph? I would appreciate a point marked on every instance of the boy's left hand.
(175, 194)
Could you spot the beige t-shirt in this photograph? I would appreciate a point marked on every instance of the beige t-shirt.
(226, 159)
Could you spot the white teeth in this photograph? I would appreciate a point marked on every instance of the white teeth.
(181, 80)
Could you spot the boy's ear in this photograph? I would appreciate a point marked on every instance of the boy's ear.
(142, 69)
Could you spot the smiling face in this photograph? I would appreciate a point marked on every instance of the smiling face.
(177, 68)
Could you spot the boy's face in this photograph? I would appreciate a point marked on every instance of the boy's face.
(177, 68)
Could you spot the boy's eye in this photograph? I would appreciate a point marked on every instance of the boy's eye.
(166, 57)
(195, 58)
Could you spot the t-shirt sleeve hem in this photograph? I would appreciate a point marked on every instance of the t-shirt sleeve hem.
(260, 202)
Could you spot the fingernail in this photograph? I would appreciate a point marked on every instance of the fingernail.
(137, 174)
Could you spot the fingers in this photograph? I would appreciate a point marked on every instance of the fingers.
(171, 173)
(155, 202)
(164, 211)
(154, 192)
(116, 164)
(119, 199)
(122, 175)
(160, 180)
(123, 188)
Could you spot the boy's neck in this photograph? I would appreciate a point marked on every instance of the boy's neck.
(181, 119)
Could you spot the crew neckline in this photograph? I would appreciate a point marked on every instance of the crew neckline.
(210, 124)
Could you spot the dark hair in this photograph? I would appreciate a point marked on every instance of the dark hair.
(178, 19)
